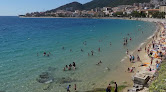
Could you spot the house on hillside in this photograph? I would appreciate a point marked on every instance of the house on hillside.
(107, 10)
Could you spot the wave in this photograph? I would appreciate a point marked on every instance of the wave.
(124, 58)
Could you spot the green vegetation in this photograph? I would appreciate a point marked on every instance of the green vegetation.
(138, 14)
(159, 84)
(120, 88)
(158, 15)
(111, 3)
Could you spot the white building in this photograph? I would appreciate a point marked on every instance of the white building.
(107, 10)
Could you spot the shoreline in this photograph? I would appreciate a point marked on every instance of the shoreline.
(142, 54)
(121, 71)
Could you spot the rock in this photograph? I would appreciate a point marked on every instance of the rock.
(141, 79)
(45, 77)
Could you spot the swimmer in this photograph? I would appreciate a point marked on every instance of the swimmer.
(81, 50)
(99, 49)
(70, 50)
(63, 48)
(44, 53)
(130, 38)
(70, 65)
(66, 66)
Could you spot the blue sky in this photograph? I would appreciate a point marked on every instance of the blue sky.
(17, 7)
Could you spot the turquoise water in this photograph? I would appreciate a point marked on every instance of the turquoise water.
(22, 38)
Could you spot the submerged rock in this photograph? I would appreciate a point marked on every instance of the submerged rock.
(45, 77)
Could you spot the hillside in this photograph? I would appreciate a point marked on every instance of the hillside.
(111, 3)
(71, 6)
(96, 3)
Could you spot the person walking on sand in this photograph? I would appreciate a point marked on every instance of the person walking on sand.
(116, 88)
(108, 88)
(130, 58)
(68, 88)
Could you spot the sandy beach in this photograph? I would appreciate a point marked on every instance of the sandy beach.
(144, 58)
(123, 77)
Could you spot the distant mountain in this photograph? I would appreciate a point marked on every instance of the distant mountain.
(71, 7)
(96, 3)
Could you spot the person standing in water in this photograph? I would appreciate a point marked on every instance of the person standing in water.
(92, 52)
(127, 51)
(74, 65)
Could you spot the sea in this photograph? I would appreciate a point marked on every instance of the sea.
(23, 41)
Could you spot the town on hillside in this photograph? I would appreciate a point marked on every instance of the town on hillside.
(153, 9)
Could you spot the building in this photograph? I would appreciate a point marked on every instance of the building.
(107, 10)
(154, 2)
(162, 8)
(163, 2)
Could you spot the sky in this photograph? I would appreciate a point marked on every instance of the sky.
(19, 7)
